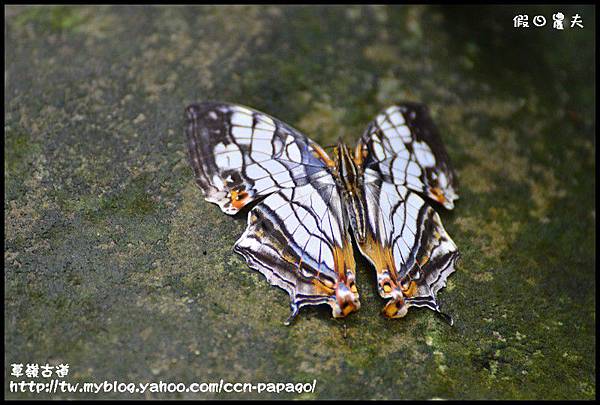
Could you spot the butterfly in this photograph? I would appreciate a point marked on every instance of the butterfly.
(304, 207)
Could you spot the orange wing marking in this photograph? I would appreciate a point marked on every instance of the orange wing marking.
(239, 198)
(438, 194)
(321, 154)
(346, 294)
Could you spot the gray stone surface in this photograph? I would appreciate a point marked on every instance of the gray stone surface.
(116, 265)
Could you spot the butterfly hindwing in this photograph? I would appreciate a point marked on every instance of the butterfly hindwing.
(298, 240)
(410, 249)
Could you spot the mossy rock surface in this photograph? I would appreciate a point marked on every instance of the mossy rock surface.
(116, 265)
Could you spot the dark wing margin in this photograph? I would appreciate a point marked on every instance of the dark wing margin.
(403, 144)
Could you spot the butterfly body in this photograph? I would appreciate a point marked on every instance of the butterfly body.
(306, 204)
(349, 177)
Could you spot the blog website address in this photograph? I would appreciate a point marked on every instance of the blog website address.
(61, 386)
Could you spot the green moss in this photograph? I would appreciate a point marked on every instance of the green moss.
(133, 201)
(19, 154)
(56, 18)
(16, 148)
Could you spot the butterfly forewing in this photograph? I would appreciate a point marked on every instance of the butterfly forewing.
(239, 154)
(296, 235)
(402, 145)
